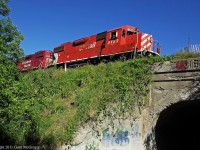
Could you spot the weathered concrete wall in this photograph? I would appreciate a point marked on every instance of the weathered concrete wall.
(125, 135)
(173, 82)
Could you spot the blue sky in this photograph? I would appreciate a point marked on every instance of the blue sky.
(46, 24)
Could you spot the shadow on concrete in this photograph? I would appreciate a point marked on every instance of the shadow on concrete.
(178, 127)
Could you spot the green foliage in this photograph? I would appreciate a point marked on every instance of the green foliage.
(47, 106)
(185, 55)
(10, 37)
(4, 10)
(10, 50)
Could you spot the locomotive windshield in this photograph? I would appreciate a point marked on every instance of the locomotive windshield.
(130, 31)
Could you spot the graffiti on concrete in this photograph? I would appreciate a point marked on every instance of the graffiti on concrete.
(113, 138)
(181, 64)
(120, 135)
(188, 64)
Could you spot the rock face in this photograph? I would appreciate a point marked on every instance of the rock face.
(175, 89)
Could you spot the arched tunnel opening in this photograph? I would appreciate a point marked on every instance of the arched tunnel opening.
(178, 127)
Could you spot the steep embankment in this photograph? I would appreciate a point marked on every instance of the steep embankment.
(46, 107)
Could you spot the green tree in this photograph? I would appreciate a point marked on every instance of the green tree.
(10, 51)
(4, 10)
(10, 37)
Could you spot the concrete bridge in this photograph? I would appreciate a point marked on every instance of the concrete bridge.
(170, 122)
(175, 107)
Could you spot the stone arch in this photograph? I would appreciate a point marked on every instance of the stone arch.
(178, 127)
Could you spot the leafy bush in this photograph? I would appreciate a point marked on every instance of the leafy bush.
(186, 55)
(47, 106)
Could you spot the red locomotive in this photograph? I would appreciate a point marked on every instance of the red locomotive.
(125, 40)
(40, 59)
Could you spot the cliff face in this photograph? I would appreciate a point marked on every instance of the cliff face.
(169, 119)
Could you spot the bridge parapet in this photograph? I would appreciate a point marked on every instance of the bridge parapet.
(180, 70)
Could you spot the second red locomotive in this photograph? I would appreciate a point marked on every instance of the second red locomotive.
(40, 59)
(125, 40)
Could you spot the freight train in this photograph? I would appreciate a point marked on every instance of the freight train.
(109, 45)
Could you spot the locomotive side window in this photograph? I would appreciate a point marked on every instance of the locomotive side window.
(124, 33)
(113, 35)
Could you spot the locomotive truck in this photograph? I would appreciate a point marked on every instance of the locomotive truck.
(111, 44)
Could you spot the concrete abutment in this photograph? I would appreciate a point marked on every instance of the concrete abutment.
(170, 122)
